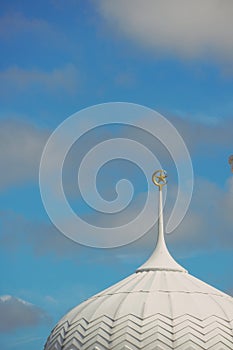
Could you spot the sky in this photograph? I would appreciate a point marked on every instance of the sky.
(59, 57)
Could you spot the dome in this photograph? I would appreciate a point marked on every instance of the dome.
(159, 307)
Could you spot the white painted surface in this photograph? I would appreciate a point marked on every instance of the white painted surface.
(160, 307)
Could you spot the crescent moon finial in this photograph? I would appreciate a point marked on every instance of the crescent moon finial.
(159, 178)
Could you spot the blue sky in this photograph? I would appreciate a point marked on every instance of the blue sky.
(58, 57)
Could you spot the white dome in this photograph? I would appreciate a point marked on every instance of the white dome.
(160, 307)
(167, 309)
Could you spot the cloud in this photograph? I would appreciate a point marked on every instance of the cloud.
(206, 227)
(17, 231)
(208, 223)
(210, 211)
(185, 28)
(21, 145)
(125, 79)
(217, 133)
(23, 341)
(16, 313)
(16, 25)
(56, 81)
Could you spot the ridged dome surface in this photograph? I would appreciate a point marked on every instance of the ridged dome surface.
(160, 307)
(149, 310)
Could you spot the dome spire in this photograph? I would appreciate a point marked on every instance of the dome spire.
(160, 258)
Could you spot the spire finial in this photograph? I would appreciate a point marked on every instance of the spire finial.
(161, 258)
(159, 178)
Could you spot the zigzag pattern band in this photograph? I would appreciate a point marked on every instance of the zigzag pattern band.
(157, 332)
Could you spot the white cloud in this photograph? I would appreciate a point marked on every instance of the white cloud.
(18, 80)
(16, 313)
(186, 28)
(211, 209)
(12, 25)
(21, 145)
(17, 25)
(197, 133)
(207, 226)
(18, 231)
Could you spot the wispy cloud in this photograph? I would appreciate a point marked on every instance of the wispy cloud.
(17, 313)
(185, 28)
(211, 206)
(21, 145)
(208, 223)
(16, 80)
(15, 25)
(206, 227)
(23, 340)
(198, 132)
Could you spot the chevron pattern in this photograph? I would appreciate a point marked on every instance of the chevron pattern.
(157, 332)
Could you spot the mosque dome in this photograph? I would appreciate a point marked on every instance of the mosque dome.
(159, 307)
